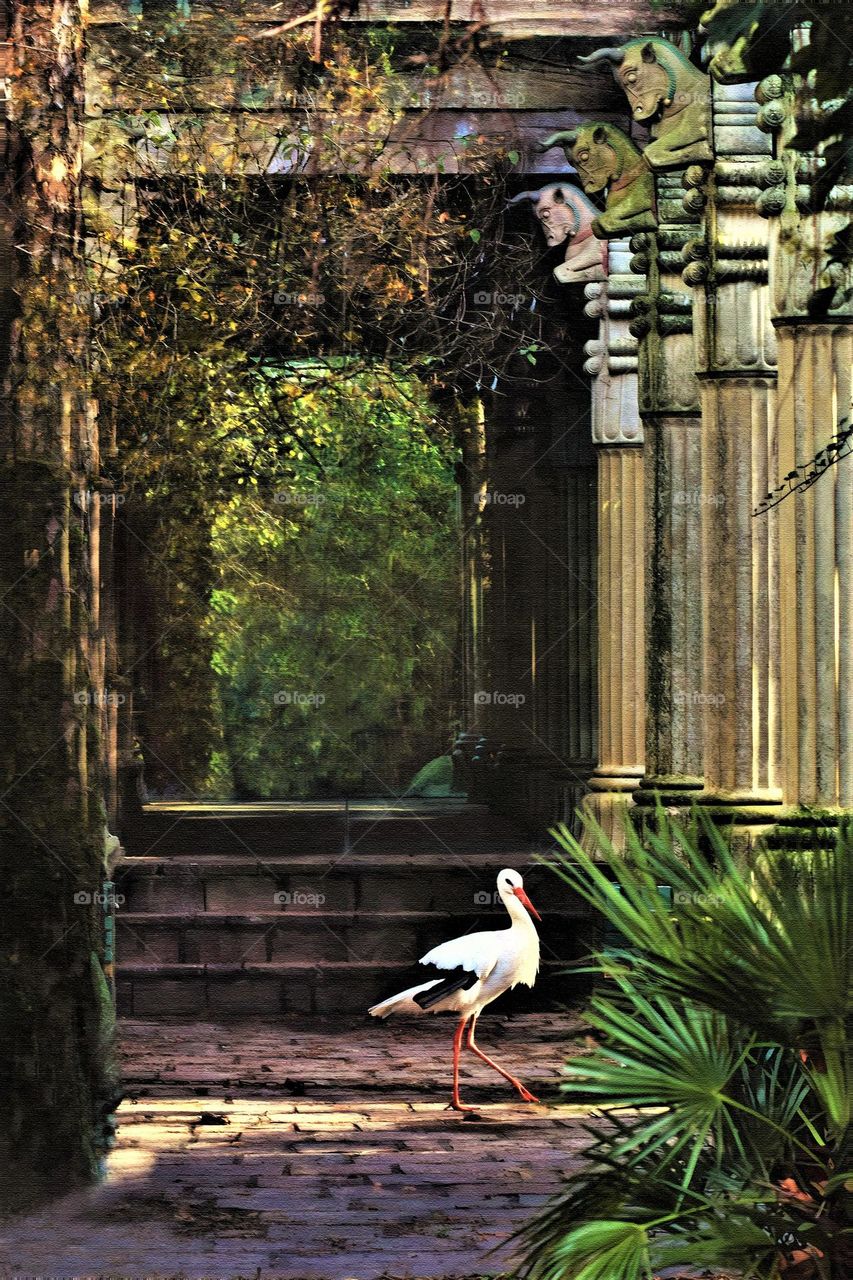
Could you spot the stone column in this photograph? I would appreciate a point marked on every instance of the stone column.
(816, 531)
(511, 454)
(493, 603)
(572, 645)
(814, 329)
(472, 493)
(669, 408)
(736, 353)
(518, 568)
(618, 434)
(537, 712)
(563, 713)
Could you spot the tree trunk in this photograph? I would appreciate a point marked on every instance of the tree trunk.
(55, 1006)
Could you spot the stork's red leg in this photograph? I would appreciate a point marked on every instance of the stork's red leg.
(457, 1104)
(526, 1095)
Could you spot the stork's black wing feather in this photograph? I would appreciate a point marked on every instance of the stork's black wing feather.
(458, 979)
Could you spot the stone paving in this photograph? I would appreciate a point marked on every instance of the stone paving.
(313, 1149)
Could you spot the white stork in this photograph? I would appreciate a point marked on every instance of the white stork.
(483, 966)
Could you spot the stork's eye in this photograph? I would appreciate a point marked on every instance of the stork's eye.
(583, 156)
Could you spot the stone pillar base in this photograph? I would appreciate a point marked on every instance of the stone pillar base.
(673, 791)
(609, 800)
(748, 816)
(798, 829)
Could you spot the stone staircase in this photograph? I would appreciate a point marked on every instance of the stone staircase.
(305, 908)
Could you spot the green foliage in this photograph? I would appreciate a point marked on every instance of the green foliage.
(723, 1067)
(333, 614)
(273, 298)
(434, 779)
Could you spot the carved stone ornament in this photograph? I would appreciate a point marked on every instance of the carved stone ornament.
(663, 88)
(565, 214)
(605, 157)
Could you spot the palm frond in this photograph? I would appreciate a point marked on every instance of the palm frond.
(723, 1071)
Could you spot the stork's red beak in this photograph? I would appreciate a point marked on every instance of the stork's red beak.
(525, 902)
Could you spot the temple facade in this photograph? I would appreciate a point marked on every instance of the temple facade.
(656, 598)
(656, 521)
(700, 603)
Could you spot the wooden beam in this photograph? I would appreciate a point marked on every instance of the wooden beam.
(450, 142)
(599, 18)
(461, 88)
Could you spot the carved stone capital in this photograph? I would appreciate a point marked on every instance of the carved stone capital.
(612, 357)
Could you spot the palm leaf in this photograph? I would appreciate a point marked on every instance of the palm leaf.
(739, 941)
(601, 1250)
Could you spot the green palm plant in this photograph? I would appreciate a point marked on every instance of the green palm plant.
(723, 1064)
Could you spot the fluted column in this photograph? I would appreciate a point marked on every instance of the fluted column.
(669, 408)
(736, 354)
(816, 530)
(574, 644)
(494, 598)
(617, 433)
(537, 710)
(565, 688)
(813, 321)
(673, 608)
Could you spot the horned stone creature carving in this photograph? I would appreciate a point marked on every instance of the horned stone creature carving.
(564, 213)
(606, 157)
(663, 87)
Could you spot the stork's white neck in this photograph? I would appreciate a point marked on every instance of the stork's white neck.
(518, 913)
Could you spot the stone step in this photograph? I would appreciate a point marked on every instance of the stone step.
(262, 830)
(258, 910)
(393, 882)
(404, 936)
(264, 989)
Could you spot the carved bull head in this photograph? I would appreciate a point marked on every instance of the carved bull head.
(646, 74)
(590, 148)
(561, 209)
(662, 86)
(606, 157)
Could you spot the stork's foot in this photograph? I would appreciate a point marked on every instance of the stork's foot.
(526, 1095)
(456, 1104)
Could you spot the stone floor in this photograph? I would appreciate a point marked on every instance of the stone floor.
(313, 1149)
